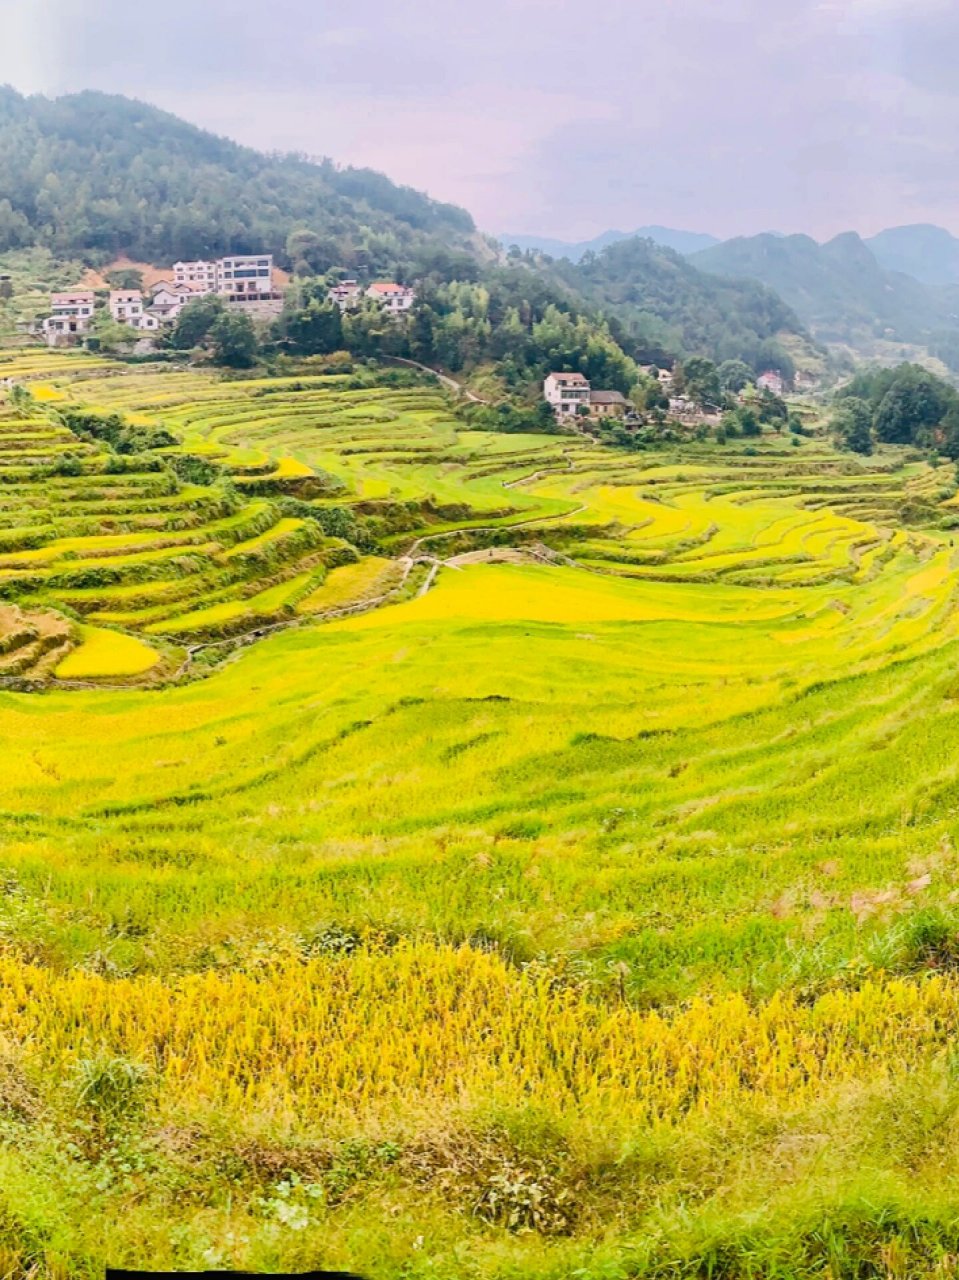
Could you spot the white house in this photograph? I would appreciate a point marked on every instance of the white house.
(245, 278)
(566, 392)
(771, 381)
(395, 298)
(169, 300)
(346, 294)
(198, 276)
(126, 307)
(71, 316)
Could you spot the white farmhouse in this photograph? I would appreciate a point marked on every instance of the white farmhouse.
(395, 298)
(126, 307)
(170, 299)
(566, 392)
(200, 277)
(71, 316)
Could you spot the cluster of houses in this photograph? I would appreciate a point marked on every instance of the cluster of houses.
(243, 281)
(572, 395)
(395, 299)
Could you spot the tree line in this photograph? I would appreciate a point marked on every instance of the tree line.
(904, 405)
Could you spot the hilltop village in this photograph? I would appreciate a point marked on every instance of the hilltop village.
(246, 282)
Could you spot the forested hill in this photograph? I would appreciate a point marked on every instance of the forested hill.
(839, 289)
(664, 301)
(93, 173)
(92, 177)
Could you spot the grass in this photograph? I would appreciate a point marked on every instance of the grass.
(594, 918)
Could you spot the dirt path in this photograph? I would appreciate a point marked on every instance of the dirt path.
(448, 382)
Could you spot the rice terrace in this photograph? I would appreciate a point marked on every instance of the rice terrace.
(446, 853)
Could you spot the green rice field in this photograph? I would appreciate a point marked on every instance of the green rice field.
(564, 884)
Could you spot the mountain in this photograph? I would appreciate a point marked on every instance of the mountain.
(667, 237)
(929, 254)
(838, 289)
(661, 297)
(92, 176)
(91, 173)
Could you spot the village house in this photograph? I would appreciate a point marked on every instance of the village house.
(245, 278)
(771, 381)
(395, 298)
(242, 280)
(198, 276)
(608, 404)
(126, 307)
(566, 392)
(170, 299)
(71, 316)
(346, 294)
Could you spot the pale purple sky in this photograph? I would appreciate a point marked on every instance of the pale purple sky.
(560, 117)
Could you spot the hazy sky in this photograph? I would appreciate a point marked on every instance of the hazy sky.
(562, 117)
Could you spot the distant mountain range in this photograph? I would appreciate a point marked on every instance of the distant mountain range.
(928, 254)
(901, 285)
(850, 289)
(685, 242)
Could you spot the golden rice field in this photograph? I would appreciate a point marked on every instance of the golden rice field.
(591, 913)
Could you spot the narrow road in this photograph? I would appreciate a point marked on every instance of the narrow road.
(444, 378)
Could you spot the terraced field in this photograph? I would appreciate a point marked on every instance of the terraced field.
(593, 912)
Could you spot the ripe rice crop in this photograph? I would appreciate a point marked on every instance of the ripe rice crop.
(101, 654)
(593, 912)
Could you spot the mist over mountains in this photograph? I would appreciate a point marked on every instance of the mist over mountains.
(684, 242)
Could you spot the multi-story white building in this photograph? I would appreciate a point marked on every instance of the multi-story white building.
(567, 392)
(126, 307)
(71, 316)
(246, 278)
(198, 276)
(395, 298)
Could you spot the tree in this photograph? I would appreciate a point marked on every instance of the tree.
(316, 329)
(195, 321)
(234, 340)
(734, 375)
(749, 423)
(851, 426)
(915, 404)
(125, 278)
(702, 381)
(772, 409)
(110, 333)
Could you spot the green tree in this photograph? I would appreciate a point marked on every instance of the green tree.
(234, 340)
(195, 322)
(734, 375)
(749, 423)
(851, 425)
(315, 329)
(912, 408)
(702, 381)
